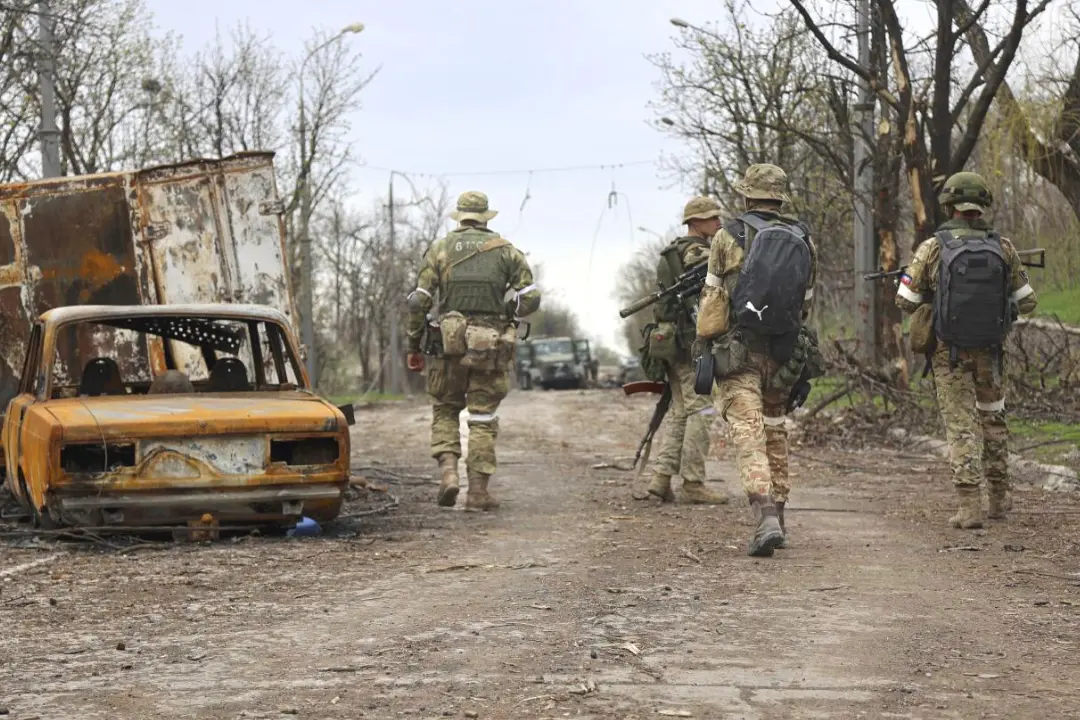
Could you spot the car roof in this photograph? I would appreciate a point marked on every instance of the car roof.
(224, 311)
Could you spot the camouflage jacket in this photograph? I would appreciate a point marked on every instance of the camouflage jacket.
(726, 259)
(919, 283)
(522, 294)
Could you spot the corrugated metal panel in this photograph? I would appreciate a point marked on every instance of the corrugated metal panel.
(253, 211)
(201, 231)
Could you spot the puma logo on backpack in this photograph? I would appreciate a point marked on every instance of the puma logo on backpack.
(971, 305)
(769, 295)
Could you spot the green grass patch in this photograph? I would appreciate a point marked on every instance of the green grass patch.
(1065, 304)
(1059, 439)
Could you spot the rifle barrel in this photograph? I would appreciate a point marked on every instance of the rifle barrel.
(639, 305)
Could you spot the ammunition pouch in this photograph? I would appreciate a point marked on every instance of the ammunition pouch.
(453, 326)
(481, 347)
(663, 342)
(652, 368)
(507, 346)
(730, 355)
(806, 362)
(923, 338)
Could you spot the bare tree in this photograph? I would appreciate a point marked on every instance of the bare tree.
(758, 89)
(941, 114)
(18, 75)
(1052, 147)
(636, 279)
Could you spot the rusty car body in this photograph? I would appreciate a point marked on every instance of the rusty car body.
(94, 437)
(206, 231)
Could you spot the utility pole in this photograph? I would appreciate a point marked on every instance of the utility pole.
(865, 239)
(48, 134)
(395, 336)
(307, 275)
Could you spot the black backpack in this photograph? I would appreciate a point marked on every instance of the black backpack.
(769, 295)
(971, 305)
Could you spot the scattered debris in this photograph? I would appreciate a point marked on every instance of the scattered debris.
(632, 649)
(689, 555)
(28, 566)
(675, 713)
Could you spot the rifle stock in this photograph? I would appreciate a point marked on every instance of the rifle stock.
(659, 412)
(644, 386)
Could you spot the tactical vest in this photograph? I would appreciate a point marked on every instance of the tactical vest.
(671, 309)
(472, 282)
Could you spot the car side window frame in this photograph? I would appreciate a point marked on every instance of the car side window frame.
(30, 379)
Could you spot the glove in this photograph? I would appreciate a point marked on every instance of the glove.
(414, 361)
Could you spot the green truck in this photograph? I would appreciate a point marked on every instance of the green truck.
(556, 363)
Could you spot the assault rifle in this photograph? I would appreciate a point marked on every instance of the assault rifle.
(1037, 255)
(659, 412)
(688, 284)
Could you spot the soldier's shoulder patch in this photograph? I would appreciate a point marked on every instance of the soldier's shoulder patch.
(1024, 275)
(905, 278)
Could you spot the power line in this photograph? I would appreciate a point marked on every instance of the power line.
(523, 171)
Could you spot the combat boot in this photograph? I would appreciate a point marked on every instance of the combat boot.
(661, 487)
(783, 528)
(970, 514)
(449, 484)
(767, 535)
(1000, 500)
(695, 493)
(478, 497)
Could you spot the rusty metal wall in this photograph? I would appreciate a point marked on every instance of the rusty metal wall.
(203, 231)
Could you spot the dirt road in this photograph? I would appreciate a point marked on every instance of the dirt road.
(574, 600)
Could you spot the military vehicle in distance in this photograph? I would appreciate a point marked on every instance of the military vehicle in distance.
(555, 362)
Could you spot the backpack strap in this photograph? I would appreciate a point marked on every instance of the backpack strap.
(737, 229)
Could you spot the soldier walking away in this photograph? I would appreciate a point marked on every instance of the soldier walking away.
(686, 443)
(969, 282)
(753, 340)
(482, 285)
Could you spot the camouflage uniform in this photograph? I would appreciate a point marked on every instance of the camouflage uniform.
(475, 272)
(686, 439)
(755, 410)
(970, 392)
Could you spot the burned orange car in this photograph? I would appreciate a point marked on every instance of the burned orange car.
(158, 415)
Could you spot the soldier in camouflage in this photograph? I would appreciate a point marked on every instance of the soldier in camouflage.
(686, 443)
(968, 382)
(748, 398)
(481, 280)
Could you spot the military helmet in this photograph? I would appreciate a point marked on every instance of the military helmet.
(966, 191)
(473, 205)
(764, 181)
(700, 208)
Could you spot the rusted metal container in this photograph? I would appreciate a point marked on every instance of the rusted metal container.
(207, 231)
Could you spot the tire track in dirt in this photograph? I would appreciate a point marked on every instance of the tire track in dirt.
(573, 599)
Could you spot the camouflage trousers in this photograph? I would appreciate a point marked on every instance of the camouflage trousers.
(757, 418)
(686, 438)
(454, 388)
(972, 403)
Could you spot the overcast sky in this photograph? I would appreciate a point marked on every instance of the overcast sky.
(479, 85)
(469, 86)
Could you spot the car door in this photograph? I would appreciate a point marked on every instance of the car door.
(16, 411)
